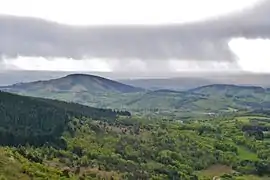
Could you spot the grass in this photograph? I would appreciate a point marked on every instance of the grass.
(10, 168)
(246, 119)
(251, 177)
(243, 152)
(246, 154)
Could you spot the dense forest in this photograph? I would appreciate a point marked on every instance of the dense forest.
(36, 121)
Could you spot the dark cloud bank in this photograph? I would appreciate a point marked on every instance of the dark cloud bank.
(199, 41)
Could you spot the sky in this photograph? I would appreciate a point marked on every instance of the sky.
(253, 54)
(170, 45)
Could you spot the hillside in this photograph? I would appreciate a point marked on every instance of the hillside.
(235, 96)
(162, 100)
(211, 98)
(36, 121)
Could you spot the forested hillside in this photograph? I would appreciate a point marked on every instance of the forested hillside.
(35, 121)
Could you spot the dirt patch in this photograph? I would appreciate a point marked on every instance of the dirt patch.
(216, 170)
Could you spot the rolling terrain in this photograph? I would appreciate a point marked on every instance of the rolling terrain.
(103, 93)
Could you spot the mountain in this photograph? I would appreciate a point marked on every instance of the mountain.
(76, 83)
(80, 88)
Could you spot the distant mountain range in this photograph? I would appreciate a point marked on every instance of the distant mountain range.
(190, 81)
(75, 83)
(104, 93)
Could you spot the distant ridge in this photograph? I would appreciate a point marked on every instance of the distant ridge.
(221, 87)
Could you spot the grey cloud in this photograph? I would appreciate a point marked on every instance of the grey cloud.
(40, 38)
(199, 41)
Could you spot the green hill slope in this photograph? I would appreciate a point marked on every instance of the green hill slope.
(80, 88)
(37, 121)
(212, 97)
(232, 96)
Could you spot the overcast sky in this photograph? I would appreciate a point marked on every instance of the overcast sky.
(105, 12)
(236, 40)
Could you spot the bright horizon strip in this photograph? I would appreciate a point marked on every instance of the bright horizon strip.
(125, 12)
(113, 65)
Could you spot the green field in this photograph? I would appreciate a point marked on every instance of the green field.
(245, 153)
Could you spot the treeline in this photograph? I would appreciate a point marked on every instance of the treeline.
(36, 121)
